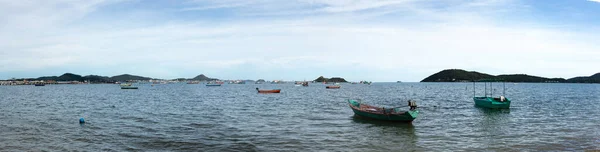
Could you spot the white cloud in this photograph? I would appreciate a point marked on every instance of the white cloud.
(594, 1)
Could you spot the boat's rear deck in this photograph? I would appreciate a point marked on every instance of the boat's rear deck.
(376, 110)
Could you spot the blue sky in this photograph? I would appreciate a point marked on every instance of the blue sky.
(376, 40)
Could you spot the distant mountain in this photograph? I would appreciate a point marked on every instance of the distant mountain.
(105, 79)
(333, 79)
(458, 75)
(70, 77)
(202, 77)
(97, 79)
(527, 78)
(591, 79)
(127, 77)
(321, 79)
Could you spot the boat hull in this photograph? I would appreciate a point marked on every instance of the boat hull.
(409, 116)
(213, 85)
(492, 103)
(269, 91)
(332, 87)
(129, 87)
(404, 116)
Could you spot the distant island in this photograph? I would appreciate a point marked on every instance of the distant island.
(333, 79)
(105, 79)
(459, 75)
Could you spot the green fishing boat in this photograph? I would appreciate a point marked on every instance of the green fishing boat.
(494, 103)
(387, 114)
(486, 101)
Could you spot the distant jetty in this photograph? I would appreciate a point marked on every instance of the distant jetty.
(459, 75)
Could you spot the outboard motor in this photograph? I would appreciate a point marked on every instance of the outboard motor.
(412, 104)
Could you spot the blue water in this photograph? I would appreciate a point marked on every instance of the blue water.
(233, 117)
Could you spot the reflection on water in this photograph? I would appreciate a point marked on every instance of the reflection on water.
(400, 135)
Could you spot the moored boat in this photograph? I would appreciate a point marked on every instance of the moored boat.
(213, 85)
(128, 87)
(493, 103)
(486, 101)
(193, 82)
(39, 84)
(333, 87)
(387, 114)
(268, 91)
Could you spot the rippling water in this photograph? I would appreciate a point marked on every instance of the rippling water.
(192, 117)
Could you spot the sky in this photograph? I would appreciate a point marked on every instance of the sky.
(374, 40)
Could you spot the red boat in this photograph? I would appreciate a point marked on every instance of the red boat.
(269, 91)
(333, 87)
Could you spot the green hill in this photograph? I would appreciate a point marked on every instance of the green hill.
(202, 77)
(127, 77)
(458, 75)
(591, 79)
(97, 79)
(70, 77)
(333, 79)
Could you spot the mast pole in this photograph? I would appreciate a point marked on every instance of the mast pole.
(485, 89)
(503, 88)
(473, 88)
(491, 89)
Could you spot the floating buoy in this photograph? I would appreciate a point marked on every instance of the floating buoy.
(81, 120)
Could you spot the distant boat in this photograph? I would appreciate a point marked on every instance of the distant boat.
(486, 101)
(366, 82)
(125, 84)
(388, 114)
(333, 87)
(398, 81)
(128, 87)
(213, 85)
(39, 84)
(268, 91)
(305, 84)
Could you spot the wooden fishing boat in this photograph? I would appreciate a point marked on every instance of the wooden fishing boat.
(128, 87)
(213, 85)
(387, 114)
(493, 103)
(268, 91)
(333, 87)
(486, 101)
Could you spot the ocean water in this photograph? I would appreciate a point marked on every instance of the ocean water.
(233, 117)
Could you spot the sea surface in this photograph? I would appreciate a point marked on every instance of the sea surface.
(234, 117)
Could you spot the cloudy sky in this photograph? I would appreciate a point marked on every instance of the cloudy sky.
(376, 40)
